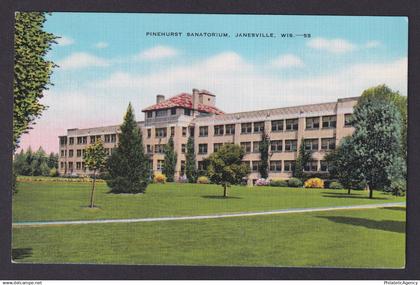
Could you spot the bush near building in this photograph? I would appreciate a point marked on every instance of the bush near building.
(294, 182)
(278, 183)
(203, 180)
(262, 182)
(335, 185)
(314, 183)
(159, 178)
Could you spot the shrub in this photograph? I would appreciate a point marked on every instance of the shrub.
(159, 178)
(335, 185)
(294, 182)
(262, 182)
(54, 172)
(398, 187)
(203, 180)
(314, 183)
(278, 183)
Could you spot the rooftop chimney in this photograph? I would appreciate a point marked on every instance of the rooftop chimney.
(195, 98)
(160, 98)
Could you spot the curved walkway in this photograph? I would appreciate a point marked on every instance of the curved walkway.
(213, 216)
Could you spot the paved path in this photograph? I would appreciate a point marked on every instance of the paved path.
(215, 216)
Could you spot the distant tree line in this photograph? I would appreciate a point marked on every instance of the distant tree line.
(36, 163)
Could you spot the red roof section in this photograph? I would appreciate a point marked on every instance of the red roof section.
(183, 100)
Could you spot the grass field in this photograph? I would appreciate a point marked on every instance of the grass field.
(44, 201)
(345, 238)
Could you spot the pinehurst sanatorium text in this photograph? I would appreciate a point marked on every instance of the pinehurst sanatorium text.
(224, 35)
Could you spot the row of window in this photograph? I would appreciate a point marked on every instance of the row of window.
(81, 152)
(110, 138)
(165, 112)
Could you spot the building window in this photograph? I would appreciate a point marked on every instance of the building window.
(187, 112)
(182, 172)
(71, 141)
(78, 165)
(161, 113)
(172, 131)
(204, 131)
(149, 148)
(92, 139)
(276, 146)
(173, 111)
(275, 165)
(256, 146)
(71, 152)
(150, 114)
(311, 166)
(159, 148)
(258, 127)
(81, 140)
(107, 138)
(217, 146)
(324, 165)
(292, 124)
(347, 120)
(311, 144)
(62, 153)
(230, 129)
(183, 148)
(79, 153)
(290, 145)
(184, 131)
(329, 121)
(160, 132)
(201, 165)
(219, 130)
(289, 165)
(159, 165)
(61, 165)
(149, 133)
(246, 146)
(312, 123)
(191, 129)
(71, 166)
(202, 148)
(256, 165)
(113, 138)
(63, 140)
(83, 166)
(327, 143)
(277, 126)
(246, 128)
(83, 152)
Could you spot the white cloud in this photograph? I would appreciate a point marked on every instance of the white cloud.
(336, 46)
(157, 52)
(287, 61)
(64, 41)
(82, 60)
(372, 44)
(101, 45)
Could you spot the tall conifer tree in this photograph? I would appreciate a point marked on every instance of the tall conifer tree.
(169, 163)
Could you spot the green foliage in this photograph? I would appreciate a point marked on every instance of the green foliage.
(95, 156)
(335, 185)
(278, 183)
(14, 182)
(31, 70)
(190, 163)
(128, 165)
(264, 154)
(377, 143)
(226, 167)
(203, 180)
(169, 163)
(397, 187)
(304, 156)
(53, 160)
(32, 163)
(54, 172)
(294, 182)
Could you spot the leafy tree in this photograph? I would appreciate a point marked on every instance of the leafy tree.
(377, 142)
(190, 164)
(386, 94)
(31, 70)
(169, 163)
(264, 148)
(226, 167)
(304, 156)
(128, 166)
(53, 160)
(343, 165)
(95, 160)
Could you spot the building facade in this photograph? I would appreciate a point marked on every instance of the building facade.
(319, 126)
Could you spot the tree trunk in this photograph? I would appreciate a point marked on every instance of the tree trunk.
(93, 189)
(370, 191)
(225, 194)
(348, 191)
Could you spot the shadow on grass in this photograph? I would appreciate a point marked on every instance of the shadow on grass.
(384, 225)
(21, 253)
(220, 197)
(394, 208)
(352, 196)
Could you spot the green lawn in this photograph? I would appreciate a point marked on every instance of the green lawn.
(347, 238)
(48, 200)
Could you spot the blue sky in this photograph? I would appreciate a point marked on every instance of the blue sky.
(107, 61)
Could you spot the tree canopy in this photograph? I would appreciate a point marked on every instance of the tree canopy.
(169, 162)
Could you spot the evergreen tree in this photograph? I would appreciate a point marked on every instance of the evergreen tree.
(53, 160)
(377, 143)
(304, 157)
(128, 165)
(169, 163)
(264, 148)
(190, 164)
(95, 159)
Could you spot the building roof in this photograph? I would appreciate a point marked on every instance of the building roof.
(183, 100)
